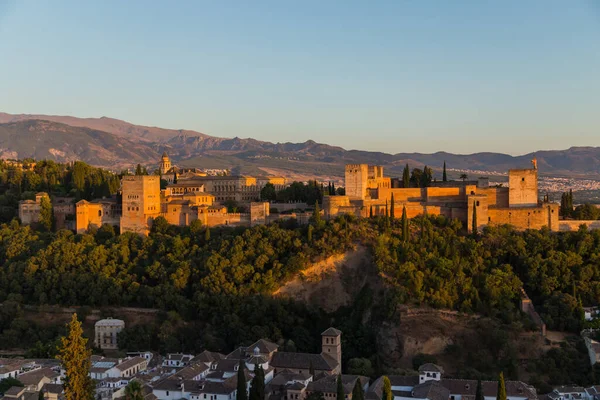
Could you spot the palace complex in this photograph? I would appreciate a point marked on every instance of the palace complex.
(369, 192)
(189, 196)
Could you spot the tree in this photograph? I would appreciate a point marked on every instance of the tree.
(426, 177)
(257, 386)
(463, 177)
(474, 226)
(46, 213)
(138, 170)
(501, 388)
(316, 217)
(7, 383)
(268, 193)
(360, 366)
(241, 382)
(207, 234)
(309, 233)
(133, 391)
(444, 176)
(416, 177)
(404, 225)
(340, 388)
(392, 214)
(75, 359)
(479, 392)
(406, 177)
(371, 212)
(174, 176)
(159, 225)
(387, 389)
(311, 370)
(358, 392)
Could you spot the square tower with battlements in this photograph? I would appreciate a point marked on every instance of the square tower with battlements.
(141, 203)
(523, 187)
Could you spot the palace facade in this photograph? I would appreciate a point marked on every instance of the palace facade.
(368, 192)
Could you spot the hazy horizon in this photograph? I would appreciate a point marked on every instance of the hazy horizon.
(395, 77)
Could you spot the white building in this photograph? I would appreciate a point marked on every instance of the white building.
(106, 332)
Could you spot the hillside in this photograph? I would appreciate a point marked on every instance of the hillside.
(119, 143)
(54, 141)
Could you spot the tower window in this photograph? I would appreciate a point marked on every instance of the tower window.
(522, 179)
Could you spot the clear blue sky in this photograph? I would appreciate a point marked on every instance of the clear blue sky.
(401, 75)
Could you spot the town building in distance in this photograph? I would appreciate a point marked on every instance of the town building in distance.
(368, 192)
(106, 332)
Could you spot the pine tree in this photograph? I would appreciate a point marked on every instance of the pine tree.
(404, 225)
(75, 359)
(340, 388)
(474, 227)
(392, 213)
(257, 386)
(444, 176)
(387, 389)
(406, 177)
(501, 388)
(241, 382)
(46, 213)
(479, 392)
(358, 392)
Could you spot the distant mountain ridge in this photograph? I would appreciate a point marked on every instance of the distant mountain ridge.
(115, 144)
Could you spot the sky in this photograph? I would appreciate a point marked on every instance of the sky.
(462, 76)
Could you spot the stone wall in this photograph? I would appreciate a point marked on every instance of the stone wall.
(573, 225)
(526, 217)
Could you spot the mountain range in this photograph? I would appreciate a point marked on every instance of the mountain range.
(117, 144)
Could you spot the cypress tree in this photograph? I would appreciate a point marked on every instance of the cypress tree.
(138, 170)
(371, 212)
(207, 234)
(311, 370)
(406, 177)
(241, 382)
(46, 213)
(474, 222)
(309, 233)
(392, 214)
(386, 209)
(75, 359)
(317, 214)
(404, 224)
(479, 392)
(174, 176)
(257, 386)
(444, 176)
(332, 189)
(501, 388)
(340, 388)
(358, 392)
(387, 389)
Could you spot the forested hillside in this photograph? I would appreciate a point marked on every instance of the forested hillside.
(215, 285)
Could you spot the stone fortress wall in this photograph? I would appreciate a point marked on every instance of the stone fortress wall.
(369, 191)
